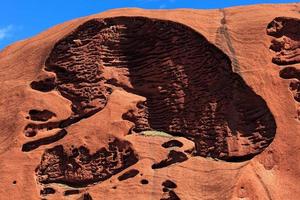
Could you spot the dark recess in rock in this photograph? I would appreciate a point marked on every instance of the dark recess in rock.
(173, 157)
(30, 131)
(189, 86)
(289, 73)
(71, 192)
(286, 42)
(44, 85)
(172, 143)
(144, 181)
(86, 196)
(47, 190)
(29, 146)
(171, 196)
(129, 174)
(80, 168)
(41, 115)
(169, 184)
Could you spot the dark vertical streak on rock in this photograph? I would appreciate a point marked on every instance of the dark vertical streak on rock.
(223, 35)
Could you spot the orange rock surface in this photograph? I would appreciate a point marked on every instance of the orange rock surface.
(155, 104)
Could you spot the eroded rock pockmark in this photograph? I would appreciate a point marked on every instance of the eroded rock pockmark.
(172, 143)
(171, 195)
(43, 83)
(71, 192)
(34, 144)
(79, 168)
(168, 189)
(41, 115)
(144, 182)
(47, 190)
(129, 174)
(286, 42)
(86, 196)
(173, 157)
(169, 184)
(292, 73)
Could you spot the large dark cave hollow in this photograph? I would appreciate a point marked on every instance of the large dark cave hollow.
(188, 82)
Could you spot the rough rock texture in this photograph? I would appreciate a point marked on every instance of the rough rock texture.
(286, 44)
(80, 100)
(285, 30)
(188, 83)
(80, 168)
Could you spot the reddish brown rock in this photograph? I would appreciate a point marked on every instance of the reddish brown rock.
(140, 104)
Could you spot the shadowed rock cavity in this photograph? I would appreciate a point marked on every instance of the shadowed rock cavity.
(171, 195)
(29, 146)
(71, 192)
(292, 73)
(188, 82)
(43, 84)
(144, 181)
(169, 184)
(41, 115)
(286, 45)
(86, 196)
(173, 157)
(47, 191)
(172, 143)
(286, 42)
(129, 174)
(79, 168)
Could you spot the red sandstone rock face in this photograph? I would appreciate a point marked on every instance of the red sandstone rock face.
(195, 94)
(135, 105)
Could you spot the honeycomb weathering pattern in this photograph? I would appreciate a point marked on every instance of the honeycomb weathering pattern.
(286, 43)
(292, 73)
(188, 82)
(79, 168)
